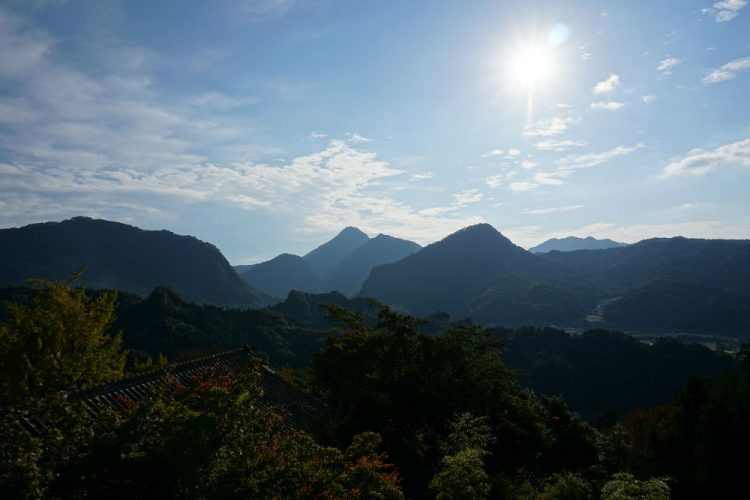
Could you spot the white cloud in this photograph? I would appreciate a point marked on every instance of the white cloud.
(467, 197)
(728, 71)
(528, 164)
(422, 176)
(512, 152)
(316, 134)
(725, 10)
(648, 98)
(520, 187)
(494, 181)
(551, 178)
(666, 65)
(609, 106)
(547, 211)
(589, 160)
(549, 127)
(494, 152)
(559, 145)
(607, 85)
(357, 139)
(699, 161)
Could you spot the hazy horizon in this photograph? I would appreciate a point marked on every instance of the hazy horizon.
(267, 126)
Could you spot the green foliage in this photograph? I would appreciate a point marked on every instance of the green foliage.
(462, 476)
(60, 342)
(462, 473)
(624, 486)
(567, 486)
(409, 387)
(206, 440)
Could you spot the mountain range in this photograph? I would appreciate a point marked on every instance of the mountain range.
(341, 264)
(571, 243)
(669, 284)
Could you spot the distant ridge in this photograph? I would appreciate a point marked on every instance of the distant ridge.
(571, 243)
(286, 272)
(117, 255)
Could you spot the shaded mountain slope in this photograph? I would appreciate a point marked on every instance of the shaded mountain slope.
(332, 253)
(120, 256)
(470, 272)
(286, 272)
(349, 276)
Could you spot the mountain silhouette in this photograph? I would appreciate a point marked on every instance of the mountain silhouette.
(120, 256)
(476, 272)
(571, 243)
(349, 276)
(286, 272)
(327, 256)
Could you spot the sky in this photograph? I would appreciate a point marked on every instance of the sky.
(267, 126)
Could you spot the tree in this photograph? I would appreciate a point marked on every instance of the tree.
(60, 342)
(624, 486)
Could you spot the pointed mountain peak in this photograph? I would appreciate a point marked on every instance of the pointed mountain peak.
(330, 254)
(353, 230)
(479, 234)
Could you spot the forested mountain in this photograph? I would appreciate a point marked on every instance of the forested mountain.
(480, 273)
(602, 371)
(571, 243)
(685, 306)
(349, 276)
(716, 262)
(327, 256)
(286, 272)
(116, 255)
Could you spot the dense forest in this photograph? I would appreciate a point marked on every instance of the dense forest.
(418, 407)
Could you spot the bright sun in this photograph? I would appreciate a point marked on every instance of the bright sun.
(530, 67)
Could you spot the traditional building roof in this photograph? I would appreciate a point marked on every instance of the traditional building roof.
(299, 410)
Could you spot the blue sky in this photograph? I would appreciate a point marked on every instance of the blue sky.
(266, 126)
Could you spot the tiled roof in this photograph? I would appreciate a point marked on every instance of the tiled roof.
(299, 410)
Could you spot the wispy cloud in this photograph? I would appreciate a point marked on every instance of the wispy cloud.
(725, 10)
(648, 98)
(494, 152)
(521, 187)
(497, 180)
(357, 139)
(316, 135)
(728, 71)
(666, 66)
(699, 161)
(467, 197)
(549, 127)
(607, 85)
(553, 210)
(551, 178)
(559, 145)
(423, 176)
(609, 105)
(589, 160)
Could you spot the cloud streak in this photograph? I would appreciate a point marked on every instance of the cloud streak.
(699, 162)
(728, 71)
